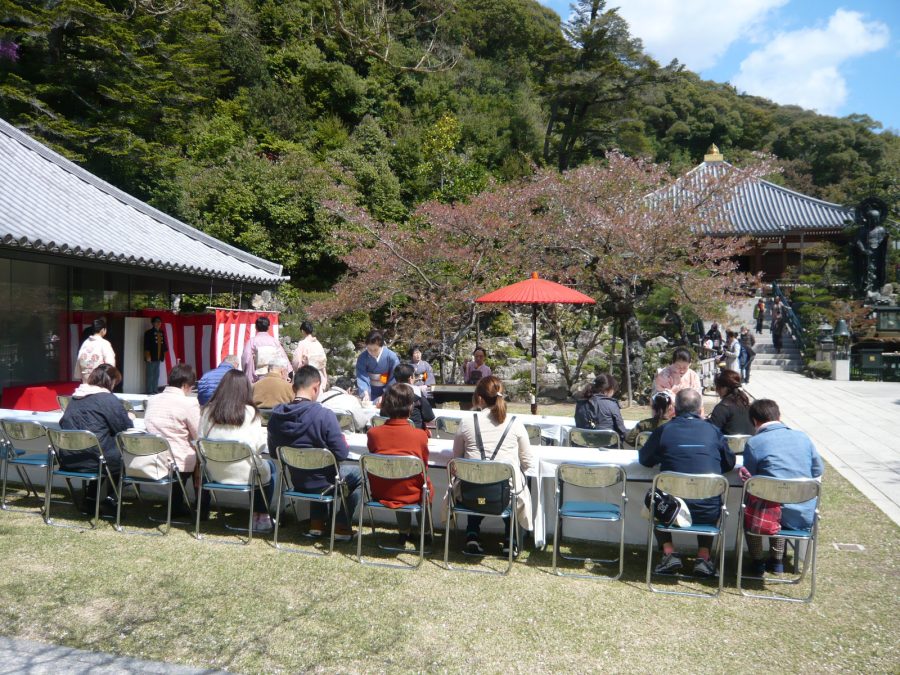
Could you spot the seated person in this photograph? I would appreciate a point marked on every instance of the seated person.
(731, 414)
(340, 398)
(231, 416)
(274, 387)
(597, 408)
(663, 410)
(396, 437)
(96, 409)
(207, 384)
(510, 440)
(421, 410)
(778, 452)
(306, 423)
(475, 370)
(688, 444)
(175, 415)
(424, 371)
(678, 375)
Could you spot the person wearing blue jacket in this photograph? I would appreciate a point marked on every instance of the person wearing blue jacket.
(207, 385)
(375, 367)
(689, 444)
(779, 452)
(306, 423)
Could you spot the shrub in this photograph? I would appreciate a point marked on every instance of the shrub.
(819, 369)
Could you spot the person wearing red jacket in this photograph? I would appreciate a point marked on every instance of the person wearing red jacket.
(397, 437)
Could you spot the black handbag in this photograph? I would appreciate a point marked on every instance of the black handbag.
(487, 498)
(665, 507)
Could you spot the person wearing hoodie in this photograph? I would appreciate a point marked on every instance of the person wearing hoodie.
(96, 409)
(598, 409)
(306, 423)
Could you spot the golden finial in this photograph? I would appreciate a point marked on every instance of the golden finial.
(713, 154)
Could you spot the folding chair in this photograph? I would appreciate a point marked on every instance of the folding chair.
(218, 455)
(689, 486)
(480, 472)
(134, 448)
(737, 442)
(534, 434)
(63, 401)
(392, 467)
(446, 427)
(602, 439)
(18, 431)
(594, 477)
(641, 439)
(346, 421)
(307, 459)
(265, 414)
(783, 491)
(378, 420)
(63, 442)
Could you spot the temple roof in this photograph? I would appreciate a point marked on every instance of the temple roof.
(50, 205)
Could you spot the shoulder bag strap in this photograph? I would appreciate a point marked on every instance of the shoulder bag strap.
(478, 440)
(331, 397)
(502, 438)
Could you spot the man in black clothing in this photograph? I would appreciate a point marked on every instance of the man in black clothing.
(689, 444)
(155, 349)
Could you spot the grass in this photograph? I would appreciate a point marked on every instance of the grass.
(253, 609)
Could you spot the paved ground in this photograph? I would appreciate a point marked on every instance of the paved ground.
(855, 426)
(26, 656)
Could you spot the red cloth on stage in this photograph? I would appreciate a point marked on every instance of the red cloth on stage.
(396, 437)
(37, 397)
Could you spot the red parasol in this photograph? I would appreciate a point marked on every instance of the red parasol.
(536, 291)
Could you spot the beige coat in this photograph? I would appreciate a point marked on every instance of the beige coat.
(176, 417)
(250, 432)
(516, 450)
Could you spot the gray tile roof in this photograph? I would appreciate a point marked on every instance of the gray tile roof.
(761, 208)
(50, 205)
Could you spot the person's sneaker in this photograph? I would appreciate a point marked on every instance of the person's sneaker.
(757, 568)
(262, 523)
(704, 567)
(107, 507)
(775, 566)
(473, 546)
(343, 532)
(668, 564)
(504, 550)
(316, 528)
(402, 538)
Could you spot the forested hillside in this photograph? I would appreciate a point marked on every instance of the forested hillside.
(242, 116)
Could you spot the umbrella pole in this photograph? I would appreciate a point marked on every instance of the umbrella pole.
(534, 407)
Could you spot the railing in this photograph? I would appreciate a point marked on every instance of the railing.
(885, 369)
(793, 321)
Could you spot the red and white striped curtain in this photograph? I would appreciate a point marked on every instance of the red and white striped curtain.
(235, 327)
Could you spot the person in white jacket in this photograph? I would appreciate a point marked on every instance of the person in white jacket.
(95, 351)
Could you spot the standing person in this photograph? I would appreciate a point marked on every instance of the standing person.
(261, 350)
(508, 440)
(396, 437)
(155, 349)
(777, 330)
(207, 385)
(715, 335)
(175, 415)
(231, 416)
(730, 414)
(96, 409)
(678, 375)
(274, 388)
(424, 372)
(688, 444)
(95, 351)
(759, 313)
(306, 423)
(598, 409)
(748, 352)
(778, 452)
(310, 352)
(421, 412)
(375, 367)
(732, 351)
(475, 370)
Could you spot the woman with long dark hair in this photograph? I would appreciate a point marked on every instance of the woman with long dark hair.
(598, 409)
(731, 414)
(231, 416)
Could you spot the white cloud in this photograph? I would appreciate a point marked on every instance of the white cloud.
(696, 32)
(802, 67)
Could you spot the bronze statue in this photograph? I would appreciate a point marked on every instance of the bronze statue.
(870, 244)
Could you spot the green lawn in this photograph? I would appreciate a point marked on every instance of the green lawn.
(253, 609)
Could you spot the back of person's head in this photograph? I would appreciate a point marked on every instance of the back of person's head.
(105, 376)
(232, 360)
(683, 355)
(229, 403)
(490, 391)
(603, 384)
(278, 363)
(403, 372)
(306, 377)
(659, 404)
(262, 324)
(181, 375)
(307, 328)
(730, 382)
(398, 401)
(99, 324)
(688, 401)
(345, 383)
(764, 410)
(730, 334)
(375, 338)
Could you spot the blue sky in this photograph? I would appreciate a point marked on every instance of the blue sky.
(834, 57)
